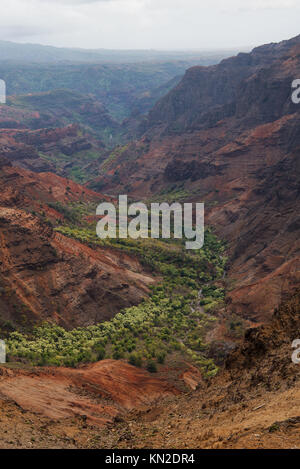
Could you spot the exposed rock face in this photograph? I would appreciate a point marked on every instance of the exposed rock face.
(98, 392)
(229, 135)
(178, 170)
(243, 86)
(58, 150)
(266, 351)
(25, 189)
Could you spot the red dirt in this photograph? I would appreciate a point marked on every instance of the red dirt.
(100, 391)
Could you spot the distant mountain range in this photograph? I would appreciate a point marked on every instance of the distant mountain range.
(36, 53)
(126, 82)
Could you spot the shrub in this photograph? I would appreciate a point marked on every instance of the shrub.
(161, 357)
(135, 360)
(151, 367)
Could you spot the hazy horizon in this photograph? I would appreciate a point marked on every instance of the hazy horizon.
(91, 49)
(157, 25)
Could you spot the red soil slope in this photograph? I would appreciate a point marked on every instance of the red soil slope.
(100, 392)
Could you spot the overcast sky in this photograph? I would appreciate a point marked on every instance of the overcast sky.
(150, 24)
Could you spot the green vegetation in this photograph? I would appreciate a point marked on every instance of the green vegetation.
(176, 192)
(79, 171)
(236, 326)
(169, 322)
(75, 213)
(118, 151)
(120, 87)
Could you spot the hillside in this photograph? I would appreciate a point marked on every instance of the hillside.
(118, 86)
(228, 135)
(61, 107)
(67, 151)
(207, 95)
(37, 53)
(46, 276)
(59, 131)
(253, 404)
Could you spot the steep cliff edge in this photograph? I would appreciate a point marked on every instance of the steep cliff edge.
(228, 135)
(208, 94)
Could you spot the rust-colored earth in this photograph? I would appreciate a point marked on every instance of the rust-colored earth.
(99, 392)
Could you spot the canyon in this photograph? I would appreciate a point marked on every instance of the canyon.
(226, 135)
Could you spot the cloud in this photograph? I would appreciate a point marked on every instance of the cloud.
(271, 4)
(162, 24)
(75, 2)
(19, 31)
